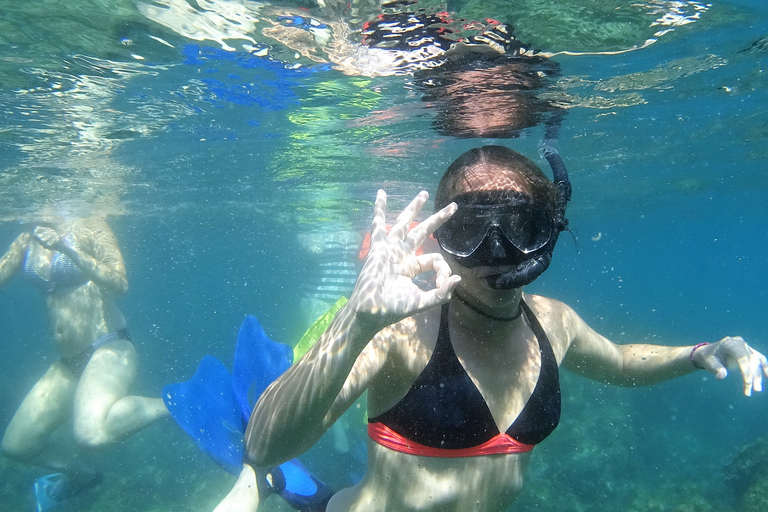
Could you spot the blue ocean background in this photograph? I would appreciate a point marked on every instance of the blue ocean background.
(215, 166)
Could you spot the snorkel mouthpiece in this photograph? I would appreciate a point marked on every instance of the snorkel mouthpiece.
(524, 274)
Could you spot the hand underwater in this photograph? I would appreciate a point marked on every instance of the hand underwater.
(733, 351)
(385, 292)
(47, 237)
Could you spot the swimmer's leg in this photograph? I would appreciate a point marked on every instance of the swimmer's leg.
(104, 412)
(292, 481)
(244, 496)
(46, 407)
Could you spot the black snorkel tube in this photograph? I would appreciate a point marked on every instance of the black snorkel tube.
(559, 174)
(538, 261)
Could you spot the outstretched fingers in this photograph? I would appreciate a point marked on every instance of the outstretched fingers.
(734, 351)
(758, 368)
(751, 363)
(385, 287)
(763, 362)
(379, 223)
(752, 367)
(403, 222)
(746, 372)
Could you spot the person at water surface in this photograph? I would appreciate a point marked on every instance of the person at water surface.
(78, 266)
(462, 379)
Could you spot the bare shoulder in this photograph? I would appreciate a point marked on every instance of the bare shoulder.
(550, 310)
(558, 320)
(404, 340)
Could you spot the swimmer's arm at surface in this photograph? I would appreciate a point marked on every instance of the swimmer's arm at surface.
(98, 256)
(12, 260)
(639, 364)
(300, 406)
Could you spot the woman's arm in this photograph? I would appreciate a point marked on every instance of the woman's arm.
(302, 404)
(289, 416)
(638, 364)
(12, 260)
(95, 252)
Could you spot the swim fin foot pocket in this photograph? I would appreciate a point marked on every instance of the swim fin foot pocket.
(57, 488)
(302, 491)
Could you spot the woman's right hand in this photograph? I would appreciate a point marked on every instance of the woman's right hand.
(385, 292)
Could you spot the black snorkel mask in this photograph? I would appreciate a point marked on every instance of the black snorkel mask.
(515, 232)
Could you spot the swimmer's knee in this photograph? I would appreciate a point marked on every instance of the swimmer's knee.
(91, 438)
(16, 449)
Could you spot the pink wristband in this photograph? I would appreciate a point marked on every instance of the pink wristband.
(694, 350)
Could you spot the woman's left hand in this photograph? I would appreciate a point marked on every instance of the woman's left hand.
(47, 237)
(733, 351)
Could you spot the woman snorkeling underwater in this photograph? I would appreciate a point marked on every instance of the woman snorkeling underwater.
(462, 379)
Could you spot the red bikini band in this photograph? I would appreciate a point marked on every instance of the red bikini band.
(501, 444)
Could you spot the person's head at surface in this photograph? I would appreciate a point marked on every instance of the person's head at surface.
(506, 225)
(480, 98)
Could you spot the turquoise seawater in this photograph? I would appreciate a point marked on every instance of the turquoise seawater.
(226, 154)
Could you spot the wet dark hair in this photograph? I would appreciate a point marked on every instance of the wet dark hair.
(499, 172)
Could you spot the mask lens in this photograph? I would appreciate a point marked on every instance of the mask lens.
(527, 227)
(464, 232)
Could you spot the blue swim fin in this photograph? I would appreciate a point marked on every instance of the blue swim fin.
(54, 492)
(258, 362)
(214, 407)
(302, 491)
(207, 409)
(45, 494)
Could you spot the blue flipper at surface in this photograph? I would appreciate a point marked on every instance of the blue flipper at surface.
(258, 362)
(207, 409)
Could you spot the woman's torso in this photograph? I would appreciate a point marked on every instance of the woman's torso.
(504, 371)
(400, 482)
(79, 312)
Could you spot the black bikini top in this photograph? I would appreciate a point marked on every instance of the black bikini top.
(444, 408)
